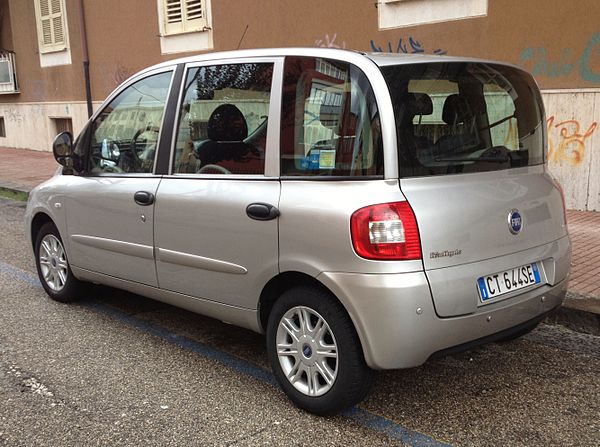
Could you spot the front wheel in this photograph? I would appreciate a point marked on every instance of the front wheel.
(53, 267)
(315, 352)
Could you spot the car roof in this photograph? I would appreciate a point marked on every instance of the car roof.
(377, 57)
(380, 59)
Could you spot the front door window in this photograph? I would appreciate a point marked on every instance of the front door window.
(124, 136)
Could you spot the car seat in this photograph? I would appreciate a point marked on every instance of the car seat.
(226, 130)
(462, 128)
(411, 105)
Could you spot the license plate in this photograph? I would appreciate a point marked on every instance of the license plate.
(497, 284)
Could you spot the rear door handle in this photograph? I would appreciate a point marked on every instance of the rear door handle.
(143, 198)
(262, 211)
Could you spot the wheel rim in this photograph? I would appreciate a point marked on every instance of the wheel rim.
(307, 351)
(53, 262)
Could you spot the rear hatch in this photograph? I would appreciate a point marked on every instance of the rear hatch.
(471, 140)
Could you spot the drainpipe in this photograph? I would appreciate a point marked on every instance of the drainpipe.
(86, 59)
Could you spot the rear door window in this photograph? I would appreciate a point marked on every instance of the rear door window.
(223, 119)
(456, 118)
(330, 122)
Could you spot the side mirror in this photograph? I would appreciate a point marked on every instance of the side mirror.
(63, 149)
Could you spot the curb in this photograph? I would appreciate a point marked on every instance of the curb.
(14, 187)
(17, 192)
(579, 313)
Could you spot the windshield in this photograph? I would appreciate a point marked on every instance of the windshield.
(459, 117)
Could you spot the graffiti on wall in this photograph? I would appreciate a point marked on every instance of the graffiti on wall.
(13, 115)
(405, 46)
(410, 46)
(567, 141)
(539, 62)
(330, 42)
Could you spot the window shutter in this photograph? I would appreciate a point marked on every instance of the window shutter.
(57, 23)
(184, 16)
(46, 23)
(51, 27)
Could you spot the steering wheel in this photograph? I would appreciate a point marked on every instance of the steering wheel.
(218, 168)
(135, 158)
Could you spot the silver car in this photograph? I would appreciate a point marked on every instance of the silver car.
(365, 211)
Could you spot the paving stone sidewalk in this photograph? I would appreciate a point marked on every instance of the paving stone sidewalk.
(22, 169)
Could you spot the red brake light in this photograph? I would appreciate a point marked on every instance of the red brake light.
(387, 231)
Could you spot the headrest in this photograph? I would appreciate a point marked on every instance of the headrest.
(419, 104)
(456, 110)
(227, 123)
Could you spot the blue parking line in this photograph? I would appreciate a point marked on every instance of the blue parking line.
(26, 277)
(357, 414)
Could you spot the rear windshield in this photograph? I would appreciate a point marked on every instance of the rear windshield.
(464, 117)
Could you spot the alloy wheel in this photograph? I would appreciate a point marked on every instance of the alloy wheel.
(307, 351)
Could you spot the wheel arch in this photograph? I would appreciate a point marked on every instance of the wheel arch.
(278, 285)
(290, 279)
(39, 220)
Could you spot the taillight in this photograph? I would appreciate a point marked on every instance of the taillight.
(387, 231)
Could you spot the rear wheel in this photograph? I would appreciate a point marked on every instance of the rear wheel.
(53, 267)
(315, 352)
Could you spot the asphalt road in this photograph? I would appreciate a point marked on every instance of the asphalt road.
(118, 369)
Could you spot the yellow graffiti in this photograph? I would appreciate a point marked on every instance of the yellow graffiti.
(566, 142)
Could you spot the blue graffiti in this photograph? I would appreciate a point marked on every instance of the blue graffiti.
(537, 61)
(412, 46)
(587, 60)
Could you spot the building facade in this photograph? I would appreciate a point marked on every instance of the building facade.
(46, 43)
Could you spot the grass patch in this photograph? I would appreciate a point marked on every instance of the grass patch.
(21, 196)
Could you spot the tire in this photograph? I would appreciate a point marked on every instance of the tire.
(53, 267)
(328, 351)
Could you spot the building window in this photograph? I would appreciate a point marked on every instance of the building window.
(8, 73)
(184, 25)
(62, 125)
(400, 13)
(184, 16)
(51, 25)
(2, 128)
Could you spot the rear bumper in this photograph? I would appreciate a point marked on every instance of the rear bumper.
(398, 326)
(454, 291)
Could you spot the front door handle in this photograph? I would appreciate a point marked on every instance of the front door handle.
(262, 211)
(143, 198)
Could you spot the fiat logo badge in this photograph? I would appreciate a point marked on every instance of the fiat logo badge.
(515, 221)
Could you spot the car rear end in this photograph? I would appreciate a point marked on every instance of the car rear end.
(491, 219)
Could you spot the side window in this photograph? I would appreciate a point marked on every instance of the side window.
(330, 121)
(223, 120)
(124, 137)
